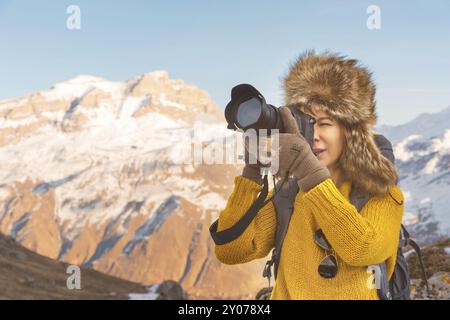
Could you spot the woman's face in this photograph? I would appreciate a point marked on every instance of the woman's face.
(329, 138)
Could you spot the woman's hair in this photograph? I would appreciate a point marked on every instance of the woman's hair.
(379, 173)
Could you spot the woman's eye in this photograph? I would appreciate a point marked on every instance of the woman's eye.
(324, 124)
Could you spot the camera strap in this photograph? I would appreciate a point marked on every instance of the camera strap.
(232, 233)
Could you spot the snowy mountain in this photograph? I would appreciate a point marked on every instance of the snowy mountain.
(96, 173)
(422, 150)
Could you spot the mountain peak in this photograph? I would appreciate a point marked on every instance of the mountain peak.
(427, 124)
(158, 74)
(84, 78)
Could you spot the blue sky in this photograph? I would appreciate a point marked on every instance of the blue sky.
(218, 44)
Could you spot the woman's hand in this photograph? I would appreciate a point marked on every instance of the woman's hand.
(254, 160)
(296, 157)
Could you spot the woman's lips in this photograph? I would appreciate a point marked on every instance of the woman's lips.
(318, 152)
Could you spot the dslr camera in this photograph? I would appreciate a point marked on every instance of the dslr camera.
(248, 110)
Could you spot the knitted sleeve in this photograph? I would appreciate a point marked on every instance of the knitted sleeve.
(359, 239)
(259, 237)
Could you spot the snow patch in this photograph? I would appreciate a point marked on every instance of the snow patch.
(212, 201)
(152, 294)
(54, 115)
(430, 167)
(442, 144)
(410, 218)
(400, 149)
(132, 105)
(408, 253)
(81, 85)
(407, 195)
(3, 193)
(168, 103)
(158, 74)
(7, 123)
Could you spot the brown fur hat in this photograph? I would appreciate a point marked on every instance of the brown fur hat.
(344, 89)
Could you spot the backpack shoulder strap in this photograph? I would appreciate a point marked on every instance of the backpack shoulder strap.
(405, 240)
(283, 201)
(385, 146)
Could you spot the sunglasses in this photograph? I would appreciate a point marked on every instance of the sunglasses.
(328, 268)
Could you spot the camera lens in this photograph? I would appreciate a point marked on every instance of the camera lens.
(248, 112)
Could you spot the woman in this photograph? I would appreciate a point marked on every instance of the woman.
(339, 94)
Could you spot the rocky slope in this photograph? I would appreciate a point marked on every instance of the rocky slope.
(27, 275)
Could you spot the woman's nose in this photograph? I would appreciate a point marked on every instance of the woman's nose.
(316, 133)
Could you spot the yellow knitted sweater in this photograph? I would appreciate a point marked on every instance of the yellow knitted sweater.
(358, 239)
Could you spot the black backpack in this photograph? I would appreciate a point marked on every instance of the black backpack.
(396, 288)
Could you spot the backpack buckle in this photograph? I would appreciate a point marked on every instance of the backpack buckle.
(267, 272)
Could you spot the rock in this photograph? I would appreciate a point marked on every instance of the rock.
(27, 281)
(440, 282)
(264, 294)
(439, 285)
(21, 256)
(171, 290)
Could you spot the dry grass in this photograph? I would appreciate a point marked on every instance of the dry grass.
(435, 259)
(27, 275)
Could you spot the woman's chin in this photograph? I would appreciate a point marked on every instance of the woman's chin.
(323, 161)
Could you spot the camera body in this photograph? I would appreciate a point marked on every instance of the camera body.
(248, 110)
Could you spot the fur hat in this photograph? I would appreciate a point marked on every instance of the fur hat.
(344, 89)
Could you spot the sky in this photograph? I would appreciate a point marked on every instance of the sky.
(216, 45)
